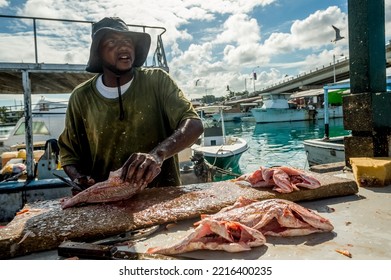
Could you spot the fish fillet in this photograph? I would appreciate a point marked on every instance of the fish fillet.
(277, 217)
(243, 225)
(113, 189)
(282, 179)
(215, 235)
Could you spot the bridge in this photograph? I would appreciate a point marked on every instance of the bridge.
(318, 77)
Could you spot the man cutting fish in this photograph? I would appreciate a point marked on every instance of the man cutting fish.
(126, 117)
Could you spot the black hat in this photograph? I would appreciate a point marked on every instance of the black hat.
(142, 42)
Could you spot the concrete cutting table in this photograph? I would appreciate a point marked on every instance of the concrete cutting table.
(361, 223)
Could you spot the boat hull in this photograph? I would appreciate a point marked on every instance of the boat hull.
(334, 112)
(232, 117)
(320, 151)
(230, 162)
(280, 115)
(14, 194)
(262, 115)
(226, 155)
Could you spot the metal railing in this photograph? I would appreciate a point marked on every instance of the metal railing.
(21, 24)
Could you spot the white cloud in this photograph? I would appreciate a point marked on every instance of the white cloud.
(313, 32)
(239, 29)
(3, 3)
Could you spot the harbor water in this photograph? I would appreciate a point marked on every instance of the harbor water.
(276, 144)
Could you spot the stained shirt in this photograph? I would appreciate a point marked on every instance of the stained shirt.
(98, 142)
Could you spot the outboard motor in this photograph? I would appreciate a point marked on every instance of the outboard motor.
(49, 161)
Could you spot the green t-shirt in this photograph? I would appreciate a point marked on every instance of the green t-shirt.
(96, 140)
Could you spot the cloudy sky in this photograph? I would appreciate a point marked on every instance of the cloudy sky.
(218, 42)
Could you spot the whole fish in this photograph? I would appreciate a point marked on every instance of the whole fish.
(215, 235)
(276, 217)
(283, 179)
(113, 189)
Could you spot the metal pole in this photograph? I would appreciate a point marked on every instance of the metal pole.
(28, 122)
(254, 76)
(35, 41)
(326, 114)
(254, 83)
(334, 68)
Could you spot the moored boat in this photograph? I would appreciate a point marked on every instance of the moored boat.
(276, 108)
(239, 111)
(324, 151)
(217, 148)
(48, 118)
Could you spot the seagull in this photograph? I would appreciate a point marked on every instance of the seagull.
(337, 35)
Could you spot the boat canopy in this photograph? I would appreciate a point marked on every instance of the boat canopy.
(307, 93)
(213, 108)
(249, 104)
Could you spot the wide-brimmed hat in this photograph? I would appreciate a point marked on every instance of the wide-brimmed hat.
(142, 42)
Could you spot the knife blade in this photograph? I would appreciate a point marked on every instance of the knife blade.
(70, 183)
(129, 235)
(85, 250)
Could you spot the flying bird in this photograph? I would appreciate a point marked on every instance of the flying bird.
(337, 35)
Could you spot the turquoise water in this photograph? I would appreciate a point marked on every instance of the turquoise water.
(274, 144)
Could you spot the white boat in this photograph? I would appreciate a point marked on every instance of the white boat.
(275, 108)
(314, 99)
(324, 151)
(217, 148)
(240, 110)
(48, 120)
(334, 112)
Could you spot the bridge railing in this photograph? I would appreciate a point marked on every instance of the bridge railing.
(339, 63)
(330, 68)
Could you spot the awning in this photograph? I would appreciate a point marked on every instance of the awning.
(308, 93)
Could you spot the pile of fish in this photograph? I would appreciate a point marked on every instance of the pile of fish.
(246, 223)
(113, 189)
(283, 179)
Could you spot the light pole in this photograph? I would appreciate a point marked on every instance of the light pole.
(334, 67)
(335, 80)
(254, 76)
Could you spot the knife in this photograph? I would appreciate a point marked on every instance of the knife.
(129, 235)
(70, 183)
(84, 250)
